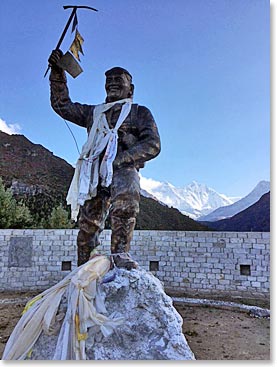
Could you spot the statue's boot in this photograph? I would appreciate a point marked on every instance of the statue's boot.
(122, 233)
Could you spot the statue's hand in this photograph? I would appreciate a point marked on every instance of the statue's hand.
(129, 140)
(55, 57)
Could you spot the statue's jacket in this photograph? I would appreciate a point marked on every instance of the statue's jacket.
(138, 137)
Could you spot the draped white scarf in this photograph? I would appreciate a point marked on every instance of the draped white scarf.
(86, 177)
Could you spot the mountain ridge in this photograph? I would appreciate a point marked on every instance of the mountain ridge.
(255, 218)
(228, 211)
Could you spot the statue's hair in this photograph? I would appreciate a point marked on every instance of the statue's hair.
(119, 70)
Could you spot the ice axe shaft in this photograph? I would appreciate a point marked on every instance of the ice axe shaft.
(74, 10)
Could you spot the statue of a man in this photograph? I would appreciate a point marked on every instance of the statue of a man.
(122, 136)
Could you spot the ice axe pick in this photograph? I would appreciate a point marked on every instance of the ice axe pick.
(67, 62)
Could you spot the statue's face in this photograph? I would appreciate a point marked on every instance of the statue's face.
(118, 87)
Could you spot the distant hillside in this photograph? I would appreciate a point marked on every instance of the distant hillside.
(32, 164)
(153, 215)
(256, 218)
(229, 211)
(41, 180)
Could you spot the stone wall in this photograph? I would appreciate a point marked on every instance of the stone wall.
(183, 261)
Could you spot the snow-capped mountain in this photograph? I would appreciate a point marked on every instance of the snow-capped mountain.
(228, 211)
(194, 200)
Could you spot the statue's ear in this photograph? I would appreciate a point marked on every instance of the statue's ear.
(132, 88)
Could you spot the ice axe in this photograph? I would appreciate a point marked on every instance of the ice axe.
(67, 62)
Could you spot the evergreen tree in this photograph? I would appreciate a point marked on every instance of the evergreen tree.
(12, 214)
(59, 218)
(7, 206)
(23, 217)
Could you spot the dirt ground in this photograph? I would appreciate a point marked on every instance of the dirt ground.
(213, 334)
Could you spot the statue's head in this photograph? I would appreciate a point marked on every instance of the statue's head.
(118, 84)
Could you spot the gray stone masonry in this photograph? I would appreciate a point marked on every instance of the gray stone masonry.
(183, 261)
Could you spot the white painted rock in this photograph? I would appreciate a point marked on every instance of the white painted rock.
(152, 329)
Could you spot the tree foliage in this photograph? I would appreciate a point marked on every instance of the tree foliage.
(12, 214)
(59, 218)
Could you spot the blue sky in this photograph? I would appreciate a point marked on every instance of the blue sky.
(202, 67)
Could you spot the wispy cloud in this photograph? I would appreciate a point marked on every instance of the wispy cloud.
(9, 128)
(149, 184)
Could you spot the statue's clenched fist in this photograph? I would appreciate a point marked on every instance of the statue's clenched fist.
(55, 57)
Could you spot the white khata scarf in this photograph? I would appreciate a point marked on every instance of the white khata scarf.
(86, 177)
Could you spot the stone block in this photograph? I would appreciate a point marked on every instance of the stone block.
(260, 246)
(220, 287)
(261, 268)
(262, 279)
(266, 235)
(201, 275)
(199, 239)
(215, 251)
(236, 240)
(254, 235)
(201, 250)
(188, 259)
(42, 282)
(247, 245)
(196, 286)
(251, 278)
(264, 241)
(219, 234)
(206, 265)
(245, 283)
(242, 235)
(213, 260)
(229, 276)
(239, 251)
(231, 234)
(250, 240)
(224, 282)
(192, 265)
(200, 259)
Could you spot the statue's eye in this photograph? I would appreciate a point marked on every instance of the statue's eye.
(118, 79)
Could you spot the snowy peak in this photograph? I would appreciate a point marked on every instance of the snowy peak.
(194, 200)
(228, 211)
(202, 197)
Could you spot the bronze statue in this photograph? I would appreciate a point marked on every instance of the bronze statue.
(113, 176)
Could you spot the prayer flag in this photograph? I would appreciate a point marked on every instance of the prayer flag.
(76, 45)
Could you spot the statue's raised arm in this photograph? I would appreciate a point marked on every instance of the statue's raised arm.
(80, 114)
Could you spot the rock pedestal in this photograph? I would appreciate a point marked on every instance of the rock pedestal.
(152, 328)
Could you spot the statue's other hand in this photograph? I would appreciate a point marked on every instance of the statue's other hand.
(55, 57)
(123, 159)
